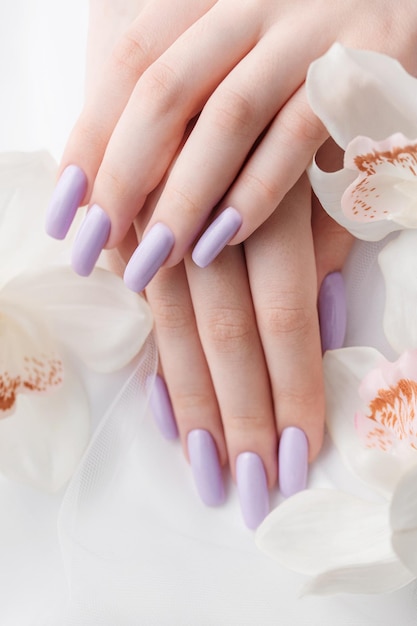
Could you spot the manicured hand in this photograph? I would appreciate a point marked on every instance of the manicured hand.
(237, 69)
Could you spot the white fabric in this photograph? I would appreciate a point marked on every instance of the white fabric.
(146, 552)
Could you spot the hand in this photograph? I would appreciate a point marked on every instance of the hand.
(240, 68)
(240, 353)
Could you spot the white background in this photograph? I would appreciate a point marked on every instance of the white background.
(177, 563)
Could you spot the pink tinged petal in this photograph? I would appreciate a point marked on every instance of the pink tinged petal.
(372, 381)
(29, 364)
(330, 187)
(318, 532)
(373, 435)
(403, 518)
(376, 194)
(398, 262)
(98, 319)
(360, 92)
(343, 371)
(390, 422)
(343, 87)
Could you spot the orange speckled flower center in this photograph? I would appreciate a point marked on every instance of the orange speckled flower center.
(394, 411)
(404, 157)
(386, 169)
(38, 375)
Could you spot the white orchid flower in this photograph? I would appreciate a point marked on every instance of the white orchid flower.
(346, 543)
(52, 324)
(367, 101)
(343, 542)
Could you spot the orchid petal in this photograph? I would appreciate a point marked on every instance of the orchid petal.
(403, 515)
(29, 360)
(317, 532)
(398, 262)
(382, 167)
(344, 370)
(373, 578)
(360, 92)
(99, 320)
(329, 188)
(26, 184)
(43, 441)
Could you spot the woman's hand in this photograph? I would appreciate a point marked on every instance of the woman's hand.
(237, 69)
(240, 355)
(201, 106)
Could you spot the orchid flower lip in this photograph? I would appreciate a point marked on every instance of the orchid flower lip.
(375, 193)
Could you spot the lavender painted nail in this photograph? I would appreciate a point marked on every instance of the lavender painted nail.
(332, 311)
(205, 467)
(161, 408)
(66, 198)
(90, 240)
(292, 461)
(149, 256)
(216, 237)
(252, 488)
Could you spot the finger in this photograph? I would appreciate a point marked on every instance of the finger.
(229, 336)
(332, 245)
(236, 114)
(275, 165)
(141, 44)
(332, 242)
(166, 97)
(188, 381)
(282, 274)
(161, 407)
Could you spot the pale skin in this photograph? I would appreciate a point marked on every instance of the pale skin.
(244, 361)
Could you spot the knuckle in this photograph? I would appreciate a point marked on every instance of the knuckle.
(171, 316)
(301, 399)
(229, 330)
(114, 182)
(286, 317)
(130, 52)
(188, 403)
(247, 423)
(301, 125)
(267, 191)
(161, 85)
(89, 134)
(185, 202)
(234, 114)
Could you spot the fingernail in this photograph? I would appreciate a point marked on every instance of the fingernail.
(90, 240)
(292, 461)
(148, 257)
(66, 198)
(332, 311)
(161, 408)
(252, 488)
(216, 237)
(205, 467)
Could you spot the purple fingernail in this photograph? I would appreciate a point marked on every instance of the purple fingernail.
(148, 257)
(205, 467)
(216, 237)
(90, 240)
(332, 311)
(66, 198)
(292, 461)
(252, 488)
(161, 408)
